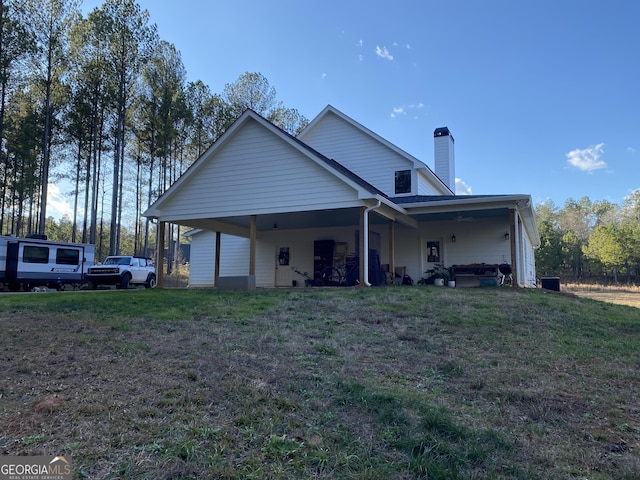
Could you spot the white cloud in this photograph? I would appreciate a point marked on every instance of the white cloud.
(462, 188)
(324, 75)
(587, 159)
(57, 205)
(383, 53)
(359, 43)
(631, 150)
(402, 110)
(397, 111)
(360, 57)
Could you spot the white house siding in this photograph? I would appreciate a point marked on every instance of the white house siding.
(360, 153)
(203, 250)
(473, 245)
(426, 186)
(526, 260)
(257, 173)
(234, 258)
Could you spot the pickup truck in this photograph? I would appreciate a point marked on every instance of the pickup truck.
(122, 271)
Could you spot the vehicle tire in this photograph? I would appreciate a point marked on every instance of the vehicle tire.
(124, 283)
(151, 281)
(91, 285)
(330, 277)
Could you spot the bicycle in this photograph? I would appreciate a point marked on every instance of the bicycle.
(348, 276)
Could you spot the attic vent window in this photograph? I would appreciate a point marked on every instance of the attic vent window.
(403, 181)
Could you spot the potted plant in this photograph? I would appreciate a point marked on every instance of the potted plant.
(438, 275)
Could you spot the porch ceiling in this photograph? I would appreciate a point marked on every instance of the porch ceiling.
(239, 225)
(344, 217)
(460, 215)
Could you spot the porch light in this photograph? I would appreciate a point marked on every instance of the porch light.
(507, 236)
(453, 238)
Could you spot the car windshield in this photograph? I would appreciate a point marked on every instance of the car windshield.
(118, 261)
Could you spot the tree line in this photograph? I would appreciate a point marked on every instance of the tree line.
(587, 241)
(102, 103)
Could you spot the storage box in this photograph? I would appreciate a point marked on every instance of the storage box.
(488, 281)
(550, 283)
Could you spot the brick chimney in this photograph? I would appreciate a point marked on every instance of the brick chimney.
(444, 157)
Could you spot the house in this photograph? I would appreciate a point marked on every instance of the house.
(265, 206)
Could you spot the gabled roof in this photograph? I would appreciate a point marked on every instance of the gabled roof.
(417, 163)
(333, 166)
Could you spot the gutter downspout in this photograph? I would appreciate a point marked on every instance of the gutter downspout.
(365, 239)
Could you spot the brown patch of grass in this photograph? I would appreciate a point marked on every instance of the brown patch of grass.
(619, 295)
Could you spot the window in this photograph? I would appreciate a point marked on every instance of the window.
(35, 254)
(67, 256)
(283, 256)
(403, 181)
(433, 252)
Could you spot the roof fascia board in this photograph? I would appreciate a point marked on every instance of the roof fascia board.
(184, 217)
(468, 204)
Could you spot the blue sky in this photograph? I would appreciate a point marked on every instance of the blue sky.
(542, 97)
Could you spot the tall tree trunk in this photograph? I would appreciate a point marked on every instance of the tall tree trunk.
(114, 196)
(146, 228)
(4, 160)
(120, 203)
(97, 159)
(87, 188)
(46, 140)
(76, 193)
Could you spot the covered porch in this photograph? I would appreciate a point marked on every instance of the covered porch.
(280, 249)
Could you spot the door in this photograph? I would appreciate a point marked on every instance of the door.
(284, 273)
(432, 255)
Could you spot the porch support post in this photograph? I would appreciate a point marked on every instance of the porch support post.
(513, 218)
(392, 254)
(216, 270)
(361, 244)
(252, 244)
(160, 253)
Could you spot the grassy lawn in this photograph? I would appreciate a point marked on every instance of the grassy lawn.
(380, 383)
